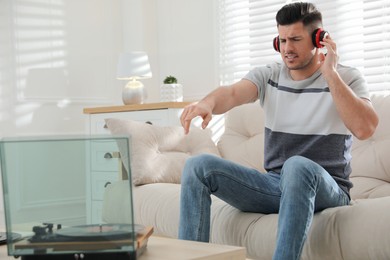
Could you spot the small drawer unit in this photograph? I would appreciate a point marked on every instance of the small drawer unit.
(104, 169)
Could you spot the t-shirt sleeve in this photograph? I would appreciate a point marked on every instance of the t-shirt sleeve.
(260, 76)
(355, 80)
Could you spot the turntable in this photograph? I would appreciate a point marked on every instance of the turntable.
(45, 201)
(84, 242)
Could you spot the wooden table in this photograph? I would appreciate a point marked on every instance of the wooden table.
(136, 107)
(159, 248)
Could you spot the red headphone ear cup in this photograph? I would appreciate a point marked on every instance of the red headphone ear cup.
(276, 44)
(318, 36)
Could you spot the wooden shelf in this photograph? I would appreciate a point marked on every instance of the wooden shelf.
(135, 107)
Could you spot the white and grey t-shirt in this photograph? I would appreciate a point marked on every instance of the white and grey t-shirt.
(301, 119)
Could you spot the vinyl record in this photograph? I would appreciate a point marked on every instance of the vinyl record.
(100, 232)
(3, 237)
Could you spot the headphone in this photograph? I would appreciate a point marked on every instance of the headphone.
(318, 35)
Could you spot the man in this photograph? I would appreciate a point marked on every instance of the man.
(312, 106)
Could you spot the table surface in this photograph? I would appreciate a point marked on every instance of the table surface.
(136, 107)
(167, 248)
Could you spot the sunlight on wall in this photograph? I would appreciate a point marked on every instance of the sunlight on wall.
(33, 58)
(63, 103)
(39, 33)
(6, 65)
(24, 114)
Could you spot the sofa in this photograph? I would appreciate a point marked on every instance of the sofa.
(357, 231)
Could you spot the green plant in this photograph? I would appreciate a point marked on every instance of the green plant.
(170, 80)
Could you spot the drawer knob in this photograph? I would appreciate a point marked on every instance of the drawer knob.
(108, 156)
(106, 184)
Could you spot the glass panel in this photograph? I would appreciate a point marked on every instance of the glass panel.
(48, 195)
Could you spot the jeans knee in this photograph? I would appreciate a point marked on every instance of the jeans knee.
(295, 162)
(197, 166)
(298, 170)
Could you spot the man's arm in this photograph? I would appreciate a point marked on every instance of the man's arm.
(219, 101)
(357, 113)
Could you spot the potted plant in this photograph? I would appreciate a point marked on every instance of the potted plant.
(170, 80)
(171, 90)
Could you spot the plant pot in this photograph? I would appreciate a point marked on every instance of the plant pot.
(171, 93)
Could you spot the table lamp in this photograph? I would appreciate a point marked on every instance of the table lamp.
(133, 66)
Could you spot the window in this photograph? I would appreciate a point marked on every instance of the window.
(361, 29)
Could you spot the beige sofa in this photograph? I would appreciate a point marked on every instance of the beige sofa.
(358, 231)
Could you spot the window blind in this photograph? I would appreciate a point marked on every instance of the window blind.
(361, 29)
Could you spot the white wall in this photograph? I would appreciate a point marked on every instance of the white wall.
(187, 36)
(56, 58)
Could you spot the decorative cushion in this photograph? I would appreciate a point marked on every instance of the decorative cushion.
(158, 154)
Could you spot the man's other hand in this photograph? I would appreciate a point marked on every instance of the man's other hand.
(201, 109)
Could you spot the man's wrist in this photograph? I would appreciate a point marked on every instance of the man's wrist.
(207, 103)
(331, 76)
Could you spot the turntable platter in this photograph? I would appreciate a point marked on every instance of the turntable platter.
(103, 231)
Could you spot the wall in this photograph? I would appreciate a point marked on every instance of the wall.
(58, 56)
(187, 44)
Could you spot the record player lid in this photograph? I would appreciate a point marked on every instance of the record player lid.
(54, 184)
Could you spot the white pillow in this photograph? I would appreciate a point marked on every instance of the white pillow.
(158, 154)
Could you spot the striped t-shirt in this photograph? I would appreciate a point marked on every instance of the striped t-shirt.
(301, 119)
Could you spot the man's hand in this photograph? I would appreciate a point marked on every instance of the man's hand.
(329, 62)
(219, 102)
(201, 109)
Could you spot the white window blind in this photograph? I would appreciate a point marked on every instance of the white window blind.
(361, 29)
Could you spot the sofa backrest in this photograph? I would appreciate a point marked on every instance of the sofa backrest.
(371, 157)
(243, 142)
(243, 139)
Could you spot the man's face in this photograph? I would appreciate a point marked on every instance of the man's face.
(296, 47)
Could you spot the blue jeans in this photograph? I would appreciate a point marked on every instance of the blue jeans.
(302, 188)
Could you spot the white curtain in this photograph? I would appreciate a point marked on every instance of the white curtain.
(361, 29)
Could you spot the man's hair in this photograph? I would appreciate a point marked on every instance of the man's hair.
(306, 13)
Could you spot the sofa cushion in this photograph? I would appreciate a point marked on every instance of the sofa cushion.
(158, 153)
(243, 139)
(155, 204)
(370, 158)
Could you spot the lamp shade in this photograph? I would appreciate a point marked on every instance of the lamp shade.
(133, 65)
